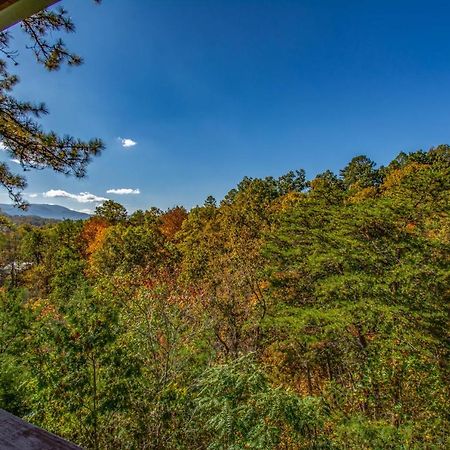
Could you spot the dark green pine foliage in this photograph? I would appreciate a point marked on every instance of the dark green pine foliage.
(361, 293)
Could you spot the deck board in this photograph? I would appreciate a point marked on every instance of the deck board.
(16, 434)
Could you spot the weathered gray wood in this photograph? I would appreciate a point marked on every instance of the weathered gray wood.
(16, 434)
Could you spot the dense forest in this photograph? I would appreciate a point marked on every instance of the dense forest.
(293, 314)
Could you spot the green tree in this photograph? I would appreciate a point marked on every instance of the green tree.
(360, 306)
(360, 172)
(327, 188)
(238, 409)
(210, 201)
(221, 254)
(112, 212)
(80, 370)
(15, 326)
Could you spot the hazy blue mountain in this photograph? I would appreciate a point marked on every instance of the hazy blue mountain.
(43, 210)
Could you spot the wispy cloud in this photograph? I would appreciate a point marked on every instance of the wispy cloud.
(127, 142)
(84, 210)
(82, 197)
(123, 191)
(33, 195)
(15, 161)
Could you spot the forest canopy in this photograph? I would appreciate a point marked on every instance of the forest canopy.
(293, 314)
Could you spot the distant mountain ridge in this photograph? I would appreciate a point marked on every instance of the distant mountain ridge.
(43, 210)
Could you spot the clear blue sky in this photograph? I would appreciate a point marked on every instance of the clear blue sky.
(212, 91)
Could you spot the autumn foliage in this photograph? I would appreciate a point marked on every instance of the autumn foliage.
(92, 235)
(294, 314)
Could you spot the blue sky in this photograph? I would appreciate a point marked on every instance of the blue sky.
(212, 91)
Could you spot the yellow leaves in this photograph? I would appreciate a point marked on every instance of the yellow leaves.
(317, 183)
(287, 201)
(363, 194)
(397, 176)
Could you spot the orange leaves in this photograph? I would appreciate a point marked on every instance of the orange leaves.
(410, 227)
(172, 220)
(93, 234)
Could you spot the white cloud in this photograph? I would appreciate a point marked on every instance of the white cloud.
(123, 191)
(3, 146)
(127, 142)
(15, 161)
(82, 197)
(84, 210)
(33, 195)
